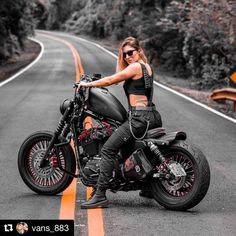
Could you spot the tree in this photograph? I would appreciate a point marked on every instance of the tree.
(210, 48)
(16, 23)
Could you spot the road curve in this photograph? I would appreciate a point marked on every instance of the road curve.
(31, 103)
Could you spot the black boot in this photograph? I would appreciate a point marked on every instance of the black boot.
(98, 200)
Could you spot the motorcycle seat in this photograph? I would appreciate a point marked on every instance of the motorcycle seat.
(154, 133)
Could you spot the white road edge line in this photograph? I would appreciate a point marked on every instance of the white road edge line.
(113, 55)
(28, 66)
(196, 102)
(167, 88)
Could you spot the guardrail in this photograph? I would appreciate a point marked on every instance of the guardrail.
(224, 94)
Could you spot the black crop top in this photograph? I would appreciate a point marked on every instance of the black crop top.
(138, 87)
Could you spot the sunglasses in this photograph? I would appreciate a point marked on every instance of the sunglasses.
(129, 53)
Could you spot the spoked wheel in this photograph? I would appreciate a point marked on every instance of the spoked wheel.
(50, 179)
(182, 193)
(180, 186)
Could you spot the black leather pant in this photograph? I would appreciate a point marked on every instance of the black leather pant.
(121, 137)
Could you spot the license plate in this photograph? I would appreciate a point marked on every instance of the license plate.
(177, 170)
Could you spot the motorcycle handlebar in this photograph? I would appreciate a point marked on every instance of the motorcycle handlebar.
(84, 90)
(87, 78)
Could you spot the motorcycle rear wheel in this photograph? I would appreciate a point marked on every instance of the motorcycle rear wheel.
(184, 192)
(47, 180)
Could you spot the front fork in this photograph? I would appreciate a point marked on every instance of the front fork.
(55, 137)
(55, 144)
(54, 160)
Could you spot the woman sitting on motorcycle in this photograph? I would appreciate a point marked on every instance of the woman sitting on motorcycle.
(138, 76)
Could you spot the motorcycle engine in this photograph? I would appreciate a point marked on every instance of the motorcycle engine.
(92, 141)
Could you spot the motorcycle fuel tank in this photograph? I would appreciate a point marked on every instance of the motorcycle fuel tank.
(103, 103)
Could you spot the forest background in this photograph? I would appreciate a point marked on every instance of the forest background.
(191, 39)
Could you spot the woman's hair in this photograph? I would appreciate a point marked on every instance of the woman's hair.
(133, 42)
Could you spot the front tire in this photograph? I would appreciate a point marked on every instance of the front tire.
(184, 192)
(47, 180)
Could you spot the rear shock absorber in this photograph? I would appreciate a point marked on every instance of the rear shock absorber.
(163, 166)
(156, 151)
(167, 169)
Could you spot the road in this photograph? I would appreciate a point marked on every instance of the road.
(31, 102)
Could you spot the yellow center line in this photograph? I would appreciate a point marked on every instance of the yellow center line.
(95, 219)
(67, 210)
(77, 60)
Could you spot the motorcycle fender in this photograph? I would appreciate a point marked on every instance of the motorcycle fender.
(166, 139)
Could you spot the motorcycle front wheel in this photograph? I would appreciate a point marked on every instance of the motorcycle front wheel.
(183, 193)
(48, 180)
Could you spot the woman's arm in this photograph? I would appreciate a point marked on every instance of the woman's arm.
(129, 72)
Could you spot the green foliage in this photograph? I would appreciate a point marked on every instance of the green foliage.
(192, 39)
(15, 25)
(209, 44)
(153, 22)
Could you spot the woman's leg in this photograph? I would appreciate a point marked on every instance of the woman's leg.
(110, 149)
(109, 154)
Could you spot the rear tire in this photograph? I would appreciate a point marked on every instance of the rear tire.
(185, 192)
(47, 180)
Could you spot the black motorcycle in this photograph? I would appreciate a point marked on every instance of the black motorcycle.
(176, 172)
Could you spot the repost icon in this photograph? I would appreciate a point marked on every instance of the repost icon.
(8, 227)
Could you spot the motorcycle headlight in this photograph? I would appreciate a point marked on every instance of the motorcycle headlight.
(64, 105)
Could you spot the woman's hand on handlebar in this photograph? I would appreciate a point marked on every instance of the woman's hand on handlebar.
(83, 84)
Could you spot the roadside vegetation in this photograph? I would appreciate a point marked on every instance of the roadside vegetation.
(195, 40)
(16, 24)
(191, 39)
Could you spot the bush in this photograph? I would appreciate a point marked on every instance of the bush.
(194, 39)
(209, 48)
(16, 23)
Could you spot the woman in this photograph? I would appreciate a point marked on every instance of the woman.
(138, 76)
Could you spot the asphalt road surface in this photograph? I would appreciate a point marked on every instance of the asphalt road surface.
(31, 102)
